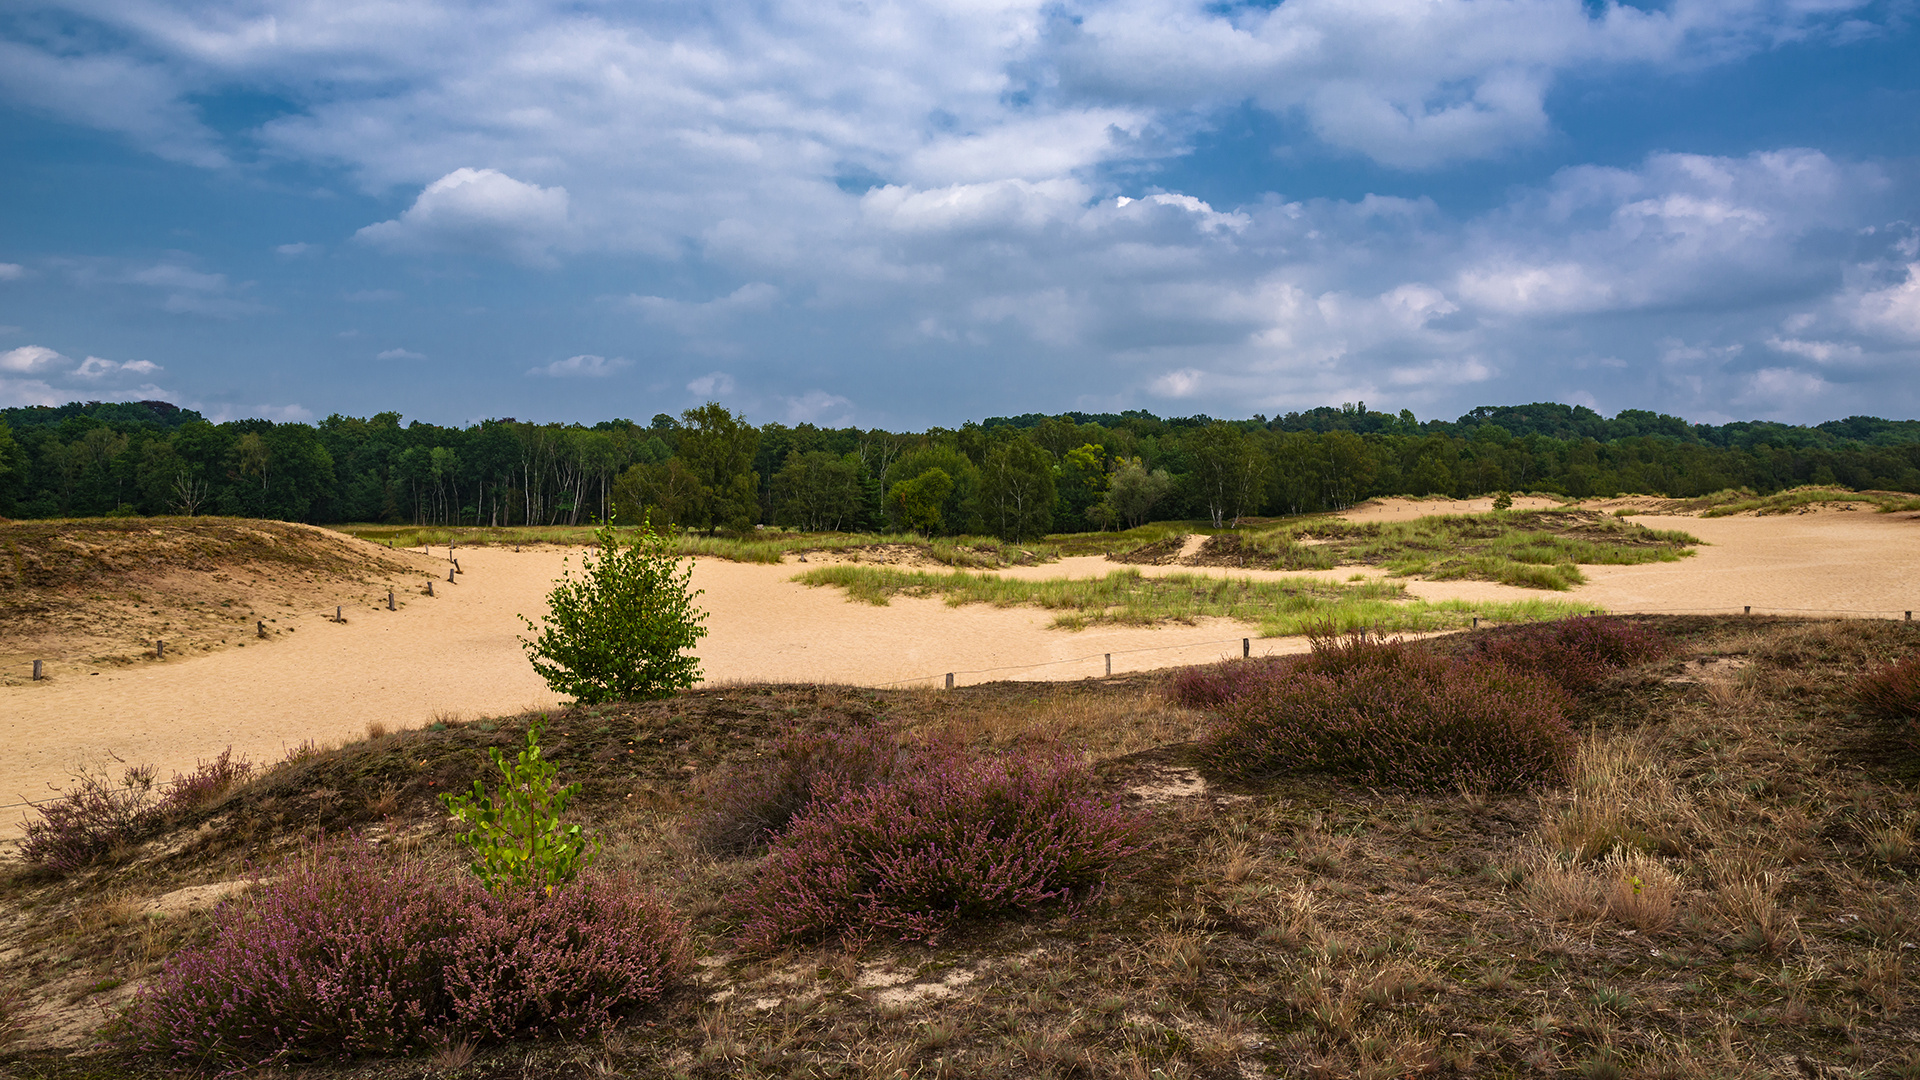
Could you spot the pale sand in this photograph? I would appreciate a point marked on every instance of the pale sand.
(458, 655)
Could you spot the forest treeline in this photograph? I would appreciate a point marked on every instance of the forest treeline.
(1017, 477)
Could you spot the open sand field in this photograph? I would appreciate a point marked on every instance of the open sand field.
(457, 654)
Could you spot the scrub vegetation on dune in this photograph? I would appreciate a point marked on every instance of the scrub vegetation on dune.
(1127, 597)
(1708, 873)
(1539, 549)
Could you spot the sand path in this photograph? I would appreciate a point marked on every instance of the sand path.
(457, 655)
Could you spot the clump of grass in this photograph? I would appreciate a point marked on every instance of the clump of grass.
(1891, 694)
(746, 806)
(1384, 712)
(912, 857)
(1578, 653)
(342, 954)
(1129, 597)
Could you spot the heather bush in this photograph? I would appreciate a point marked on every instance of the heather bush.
(571, 963)
(208, 781)
(345, 955)
(1386, 713)
(911, 857)
(745, 806)
(96, 816)
(92, 818)
(1892, 695)
(1579, 654)
(1209, 686)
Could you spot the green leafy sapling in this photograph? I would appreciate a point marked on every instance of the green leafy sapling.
(516, 833)
(625, 629)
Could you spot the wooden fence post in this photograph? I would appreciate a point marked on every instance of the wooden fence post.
(260, 628)
(1109, 663)
(390, 606)
(449, 575)
(1748, 610)
(1246, 647)
(37, 676)
(949, 680)
(159, 650)
(429, 586)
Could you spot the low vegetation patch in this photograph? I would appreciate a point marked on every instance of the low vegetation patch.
(1129, 597)
(97, 817)
(1891, 694)
(1577, 653)
(911, 857)
(1385, 712)
(1536, 549)
(346, 954)
(747, 805)
(1797, 500)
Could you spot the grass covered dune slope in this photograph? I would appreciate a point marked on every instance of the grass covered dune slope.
(1646, 847)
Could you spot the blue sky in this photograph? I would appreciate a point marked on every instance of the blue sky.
(855, 211)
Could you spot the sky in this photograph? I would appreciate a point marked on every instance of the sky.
(913, 214)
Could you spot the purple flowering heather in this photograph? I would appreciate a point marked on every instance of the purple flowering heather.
(344, 954)
(910, 857)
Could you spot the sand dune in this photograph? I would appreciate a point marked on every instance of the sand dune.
(458, 654)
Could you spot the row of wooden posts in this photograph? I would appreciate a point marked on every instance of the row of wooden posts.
(260, 625)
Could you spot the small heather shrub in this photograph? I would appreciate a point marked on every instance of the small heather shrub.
(1386, 713)
(747, 806)
(208, 781)
(344, 955)
(1579, 654)
(92, 818)
(911, 857)
(1892, 695)
(1210, 686)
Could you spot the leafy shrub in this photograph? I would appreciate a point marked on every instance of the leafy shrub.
(623, 629)
(1386, 713)
(92, 818)
(1579, 654)
(746, 806)
(912, 856)
(1892, 695)
(342, 955)
(516, 833)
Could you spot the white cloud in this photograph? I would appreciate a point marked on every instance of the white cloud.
(712, 384)
(1178, 384)
(95, 369)
(1893, 311)
(30, 359)
(819, 407)
(690, 316)
(399, 354)
(20, 393)
(584, 366)
(479, 211)
(12, 271)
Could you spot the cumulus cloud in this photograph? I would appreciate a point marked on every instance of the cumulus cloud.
(819, 407)
(95, 369)
(1893, 311)
(712, 384)
(479, 211)
(30, 359)
(751, 298)
(399, 354)
(584, 366)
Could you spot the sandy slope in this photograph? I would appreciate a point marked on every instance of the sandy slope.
(458, 654)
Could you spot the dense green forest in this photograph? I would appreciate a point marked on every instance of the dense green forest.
(1013, 476)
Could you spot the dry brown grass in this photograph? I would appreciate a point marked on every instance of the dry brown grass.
(1724, 889)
